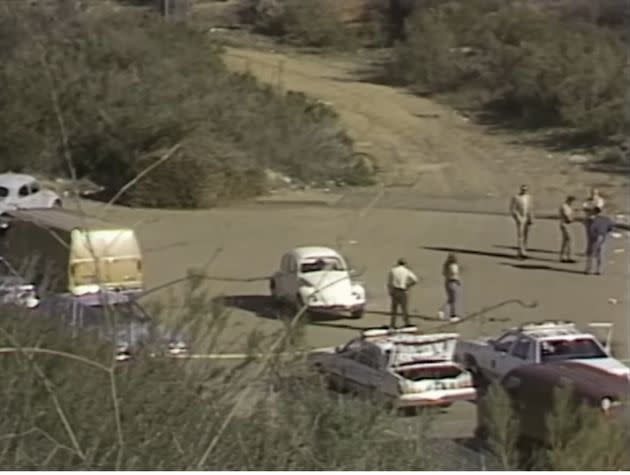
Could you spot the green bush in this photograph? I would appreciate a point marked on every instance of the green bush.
(529, 65)
(151, 414)
(576, 436)
(130, 87)
(302, 22)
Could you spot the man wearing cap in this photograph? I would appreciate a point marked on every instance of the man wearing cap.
(399, 280)
(521, 209)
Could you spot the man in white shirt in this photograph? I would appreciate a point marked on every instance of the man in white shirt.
(399, 280)
(521, 209)
(566, 218)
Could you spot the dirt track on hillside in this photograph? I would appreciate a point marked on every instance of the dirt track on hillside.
(424, 146)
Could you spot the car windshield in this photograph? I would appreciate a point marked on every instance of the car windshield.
(318, 264)
(4, 192)
(568, 349)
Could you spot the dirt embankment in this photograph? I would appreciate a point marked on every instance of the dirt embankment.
(425, 148)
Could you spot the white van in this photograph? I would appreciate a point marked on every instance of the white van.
(64, 251)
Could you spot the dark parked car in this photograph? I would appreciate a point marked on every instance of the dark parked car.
(14, 289)
(96, 313)
(532, 390)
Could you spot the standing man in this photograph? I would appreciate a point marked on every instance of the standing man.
(399, 280)
(566, 218)
(593, 201)
(599, 228)
(521, 209)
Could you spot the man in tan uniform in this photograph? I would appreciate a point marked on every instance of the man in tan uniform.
(521, 209)
(399, 280)
(566, 218)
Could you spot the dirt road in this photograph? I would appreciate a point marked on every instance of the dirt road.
(429, 148)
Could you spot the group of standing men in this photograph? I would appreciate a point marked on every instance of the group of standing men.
(596, 225)
(401, 279)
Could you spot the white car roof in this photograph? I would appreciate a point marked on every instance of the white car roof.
(306, 252)
(389, 341)
(13, 180)
(552, 330)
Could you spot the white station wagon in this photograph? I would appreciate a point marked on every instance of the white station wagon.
(318, 278)
(24, 191)
(401, 366)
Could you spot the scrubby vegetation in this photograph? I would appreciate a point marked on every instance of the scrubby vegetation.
(520, 63)
(300, 22)
(117, 91)
(576, 436)
(531, 64)
(76, 409)
(150, 414)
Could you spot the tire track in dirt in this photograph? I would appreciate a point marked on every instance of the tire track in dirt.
(417, 143)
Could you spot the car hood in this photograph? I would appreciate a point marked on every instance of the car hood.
(610, 365)
(329, 282)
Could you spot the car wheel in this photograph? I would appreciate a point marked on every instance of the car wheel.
(57, 204)
(357, 313)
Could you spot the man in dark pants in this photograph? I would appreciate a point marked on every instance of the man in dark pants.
(599, 228)
(399, 280)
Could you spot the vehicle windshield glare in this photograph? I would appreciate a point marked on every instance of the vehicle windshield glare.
(319, 264)
(567, 349)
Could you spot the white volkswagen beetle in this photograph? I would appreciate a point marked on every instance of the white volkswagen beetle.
(318, 278)
(24, 191)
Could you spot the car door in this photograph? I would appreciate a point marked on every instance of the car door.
(22, 200)
(36, 197)
(366, 373)
(499, 351)
(521, 353)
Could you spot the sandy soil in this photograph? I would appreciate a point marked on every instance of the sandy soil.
(248, 242)
(424, 145)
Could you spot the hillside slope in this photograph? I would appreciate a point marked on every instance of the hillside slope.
(422, 145)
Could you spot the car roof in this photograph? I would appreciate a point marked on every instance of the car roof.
(98, 298)
(15, 179)
(550, 330)
(306, 252)
(388, 341)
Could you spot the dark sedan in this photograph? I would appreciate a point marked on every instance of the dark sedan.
(116, 317)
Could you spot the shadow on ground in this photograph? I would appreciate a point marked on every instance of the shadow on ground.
(264, 306)
(542, 267)
(477, 252)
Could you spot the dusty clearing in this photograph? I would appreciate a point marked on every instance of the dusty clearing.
(427, 147)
